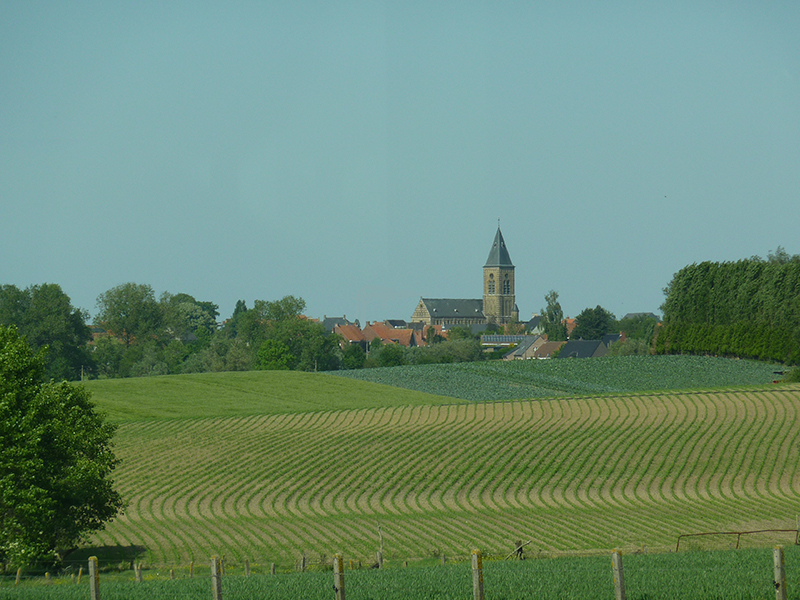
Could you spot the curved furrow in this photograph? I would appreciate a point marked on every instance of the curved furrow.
(691, 471)
(676, 421)
(594, 455)
(691, 438)
(612, 484)
(428, 496)
(374, 480)
(737, 436)
(553, 444)
(399, 480)
(559, 457)
(476, 440)
(546, 427)
(368, 473)
(630, 456)
(527, 433)
(788, 480)
(732, 414)
(508, 474)
(650, 457)
(765, 455)
(741, 457)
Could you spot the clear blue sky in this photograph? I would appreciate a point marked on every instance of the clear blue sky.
(359, 154)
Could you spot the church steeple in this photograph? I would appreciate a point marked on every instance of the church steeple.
(499, 304)
(498, 255)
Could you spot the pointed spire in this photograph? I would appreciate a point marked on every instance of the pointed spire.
(498, 255)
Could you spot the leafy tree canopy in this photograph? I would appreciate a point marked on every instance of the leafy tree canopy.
(130, 312)
(552, 319)
(56, 460)
(594, 323)
(639, 327)
(461, 333)
(44, 315)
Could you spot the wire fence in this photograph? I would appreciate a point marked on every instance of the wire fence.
(745, 573)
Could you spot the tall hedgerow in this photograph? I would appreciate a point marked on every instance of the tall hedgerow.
(749, 308)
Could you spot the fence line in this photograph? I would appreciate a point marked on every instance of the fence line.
(739, 535)
(217, 576)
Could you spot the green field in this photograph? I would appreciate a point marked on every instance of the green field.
(733, 575)
(507, 380)
(241, 394)
(268, 466)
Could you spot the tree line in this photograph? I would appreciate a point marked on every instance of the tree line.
(137, 334)
(749, 309)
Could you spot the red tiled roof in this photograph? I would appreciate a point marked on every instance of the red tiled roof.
(350, 332)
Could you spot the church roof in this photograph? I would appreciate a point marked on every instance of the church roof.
(451, 308)
(498, 255)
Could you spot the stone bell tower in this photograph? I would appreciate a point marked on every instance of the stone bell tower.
(499, 303)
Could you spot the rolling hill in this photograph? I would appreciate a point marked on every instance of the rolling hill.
(296, 471)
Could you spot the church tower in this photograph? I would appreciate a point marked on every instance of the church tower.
(499, 305)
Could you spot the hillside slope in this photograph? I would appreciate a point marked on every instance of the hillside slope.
(568, 474)
(243, 393)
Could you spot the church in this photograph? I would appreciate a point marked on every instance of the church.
(498, 305)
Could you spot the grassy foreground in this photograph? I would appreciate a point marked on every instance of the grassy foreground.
(733, 575)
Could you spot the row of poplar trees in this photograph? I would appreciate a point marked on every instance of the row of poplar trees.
(749, 309)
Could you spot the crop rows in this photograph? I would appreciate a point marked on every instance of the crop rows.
(569, 474)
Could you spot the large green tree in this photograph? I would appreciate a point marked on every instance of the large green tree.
(129, 312)
(182, 315)
(44, 315)
(295, 342)
(552, 319)
(56, 459)
(594, 323)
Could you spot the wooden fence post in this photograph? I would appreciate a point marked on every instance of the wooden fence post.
(94, 579)
(477, 575)
(444, 559)
(80, 574)
(780, 573)
(272, 569)
(191, 569)
(619, 577)
(19, 575)
(338, 576)
(247, 567)
(379, 559)
(216, 578)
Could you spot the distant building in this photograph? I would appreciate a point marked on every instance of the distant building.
(498, 305)
(583, 349)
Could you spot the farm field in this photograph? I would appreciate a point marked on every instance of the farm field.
(737, 575)
(242, 393)
(506, 380)
(570, 474)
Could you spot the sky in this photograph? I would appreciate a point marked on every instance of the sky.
(359, 154)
